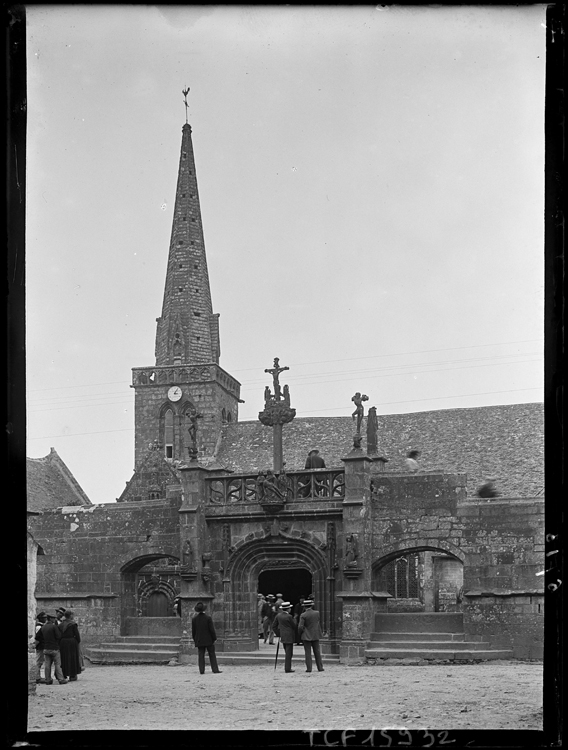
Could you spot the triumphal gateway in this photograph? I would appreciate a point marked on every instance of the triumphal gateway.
(218, 510)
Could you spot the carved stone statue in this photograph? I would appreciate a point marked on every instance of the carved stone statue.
(271, 488)
(372, 430)
(286, 395)
(359, 411)
(193, 416)
(351, 551)
(267, 395)
(187, 555)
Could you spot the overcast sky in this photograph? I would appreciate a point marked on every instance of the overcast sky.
(371, 184)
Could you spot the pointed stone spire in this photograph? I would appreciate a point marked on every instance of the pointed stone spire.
(188, 330)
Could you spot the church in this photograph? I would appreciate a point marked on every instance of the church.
(219, 510)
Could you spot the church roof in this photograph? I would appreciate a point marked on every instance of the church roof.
(505, 441)
(50, 484)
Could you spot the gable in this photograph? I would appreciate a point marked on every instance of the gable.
(50, 484)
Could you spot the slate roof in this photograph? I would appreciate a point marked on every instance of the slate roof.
(502, 441)
(50, 484)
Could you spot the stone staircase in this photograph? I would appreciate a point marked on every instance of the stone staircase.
(161, 649)
(136, 649)
(427, 635)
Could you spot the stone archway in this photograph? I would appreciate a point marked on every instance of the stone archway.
(144, 579)
(422, 578)
(241, 583)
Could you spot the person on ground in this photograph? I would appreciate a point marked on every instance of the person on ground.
(261, 601)
(69, 647)
(297, 611)
(41, 619)
(285, 629)
(204, 637)
(51, 636)
(269, 613)
(310, 632)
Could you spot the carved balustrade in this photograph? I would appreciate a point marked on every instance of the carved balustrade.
(299, 485)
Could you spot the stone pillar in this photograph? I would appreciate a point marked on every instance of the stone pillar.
(357, 623)
(194, 554)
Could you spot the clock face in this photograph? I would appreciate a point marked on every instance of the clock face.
(174, 394)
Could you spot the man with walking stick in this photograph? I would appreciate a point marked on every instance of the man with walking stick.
(285, 628)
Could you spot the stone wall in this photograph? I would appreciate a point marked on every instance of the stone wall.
(85, 551)
(504, 600)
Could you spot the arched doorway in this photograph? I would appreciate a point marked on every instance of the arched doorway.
(280, 563)
(292, 583)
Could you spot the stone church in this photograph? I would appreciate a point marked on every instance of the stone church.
(219, 510)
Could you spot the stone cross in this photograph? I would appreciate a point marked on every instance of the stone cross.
(275, 372)
(277, 412)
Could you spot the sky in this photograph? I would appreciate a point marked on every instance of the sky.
(371, 183)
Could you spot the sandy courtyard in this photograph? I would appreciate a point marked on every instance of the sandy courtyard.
(494, 695)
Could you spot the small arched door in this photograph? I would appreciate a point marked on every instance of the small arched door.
(158, 605)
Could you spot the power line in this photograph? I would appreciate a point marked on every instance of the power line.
(68, 403)
(301, 364)
(384, 403)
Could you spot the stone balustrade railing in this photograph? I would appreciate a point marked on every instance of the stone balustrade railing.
(292, 486)
(171, 374)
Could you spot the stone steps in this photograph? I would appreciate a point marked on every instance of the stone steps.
(419, 622)
(436, 654)
(130, 656)
(427, 635)
(385, 636)
(402, 644)
(135, 649)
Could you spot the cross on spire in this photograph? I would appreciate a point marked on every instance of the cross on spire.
(185, 92)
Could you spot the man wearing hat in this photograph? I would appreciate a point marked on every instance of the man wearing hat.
(285, 628)
(310, 633)
(204, 637)
(314, 460)
(51, 636)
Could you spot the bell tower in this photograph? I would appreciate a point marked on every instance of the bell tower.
(186, 382)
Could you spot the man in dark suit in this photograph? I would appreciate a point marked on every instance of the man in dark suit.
(204, 637)
(285, 628)
(51, 635)
(310, 633)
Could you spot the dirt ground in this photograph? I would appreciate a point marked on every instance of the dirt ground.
(493, 695)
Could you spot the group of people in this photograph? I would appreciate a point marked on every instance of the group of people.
(57, 647)
(299, 625)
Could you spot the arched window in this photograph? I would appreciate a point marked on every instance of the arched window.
(229, 417)
(400, 577)
(169, 434)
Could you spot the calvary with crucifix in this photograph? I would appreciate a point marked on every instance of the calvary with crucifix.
(277, 411)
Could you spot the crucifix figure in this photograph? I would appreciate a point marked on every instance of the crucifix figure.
(275, 372)
(185, 92)
(358, 413)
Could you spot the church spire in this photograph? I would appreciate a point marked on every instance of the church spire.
(188, 330)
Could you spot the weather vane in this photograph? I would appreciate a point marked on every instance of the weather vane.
(185, 92)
